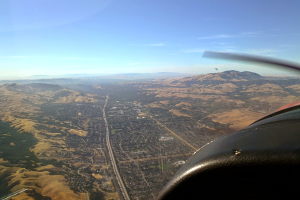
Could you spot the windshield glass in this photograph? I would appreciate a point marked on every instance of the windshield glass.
(106, 99)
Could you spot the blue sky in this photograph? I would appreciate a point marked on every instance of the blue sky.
(109, 36)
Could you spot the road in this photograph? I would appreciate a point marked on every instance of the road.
(112, 157)
(174, 134)
(156, 158)
(14, 194)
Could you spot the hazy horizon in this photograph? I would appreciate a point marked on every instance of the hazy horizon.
(138, 75)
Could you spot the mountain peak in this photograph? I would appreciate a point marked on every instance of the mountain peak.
(216, 78)
(236, 75)
(231, 75)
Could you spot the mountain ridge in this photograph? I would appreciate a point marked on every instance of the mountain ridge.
(213, 78)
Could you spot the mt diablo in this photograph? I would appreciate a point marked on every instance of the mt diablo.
(57, 129)
(231, 75)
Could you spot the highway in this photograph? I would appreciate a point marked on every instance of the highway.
(14, 194)
(112, 157)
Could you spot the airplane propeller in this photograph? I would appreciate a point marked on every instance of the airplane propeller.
(253, 59)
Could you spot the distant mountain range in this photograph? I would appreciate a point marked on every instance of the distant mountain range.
(114, 76)
(170, 77)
